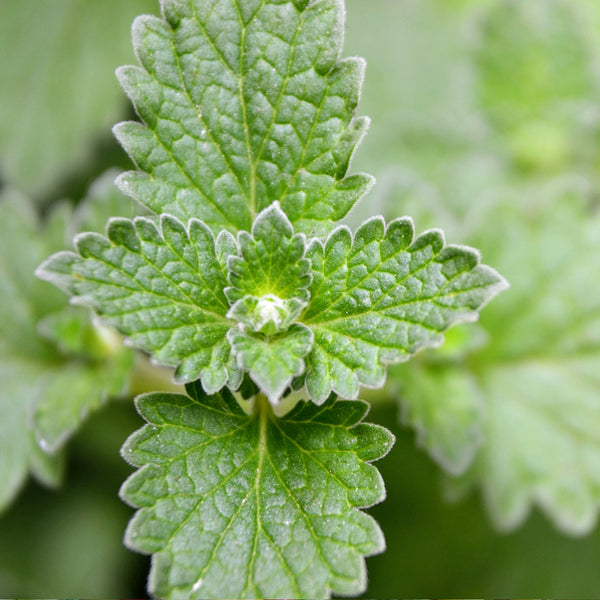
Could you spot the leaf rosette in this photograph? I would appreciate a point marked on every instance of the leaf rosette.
(330, 315)
(242, 281)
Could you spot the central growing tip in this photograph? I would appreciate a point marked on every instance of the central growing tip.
(266, 314)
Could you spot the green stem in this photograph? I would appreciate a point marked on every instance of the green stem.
(262, 407)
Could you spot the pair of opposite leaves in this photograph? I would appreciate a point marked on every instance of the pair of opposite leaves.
(326, 314)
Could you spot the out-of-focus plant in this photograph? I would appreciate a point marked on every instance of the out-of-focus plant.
(485, 123)
(512, 404)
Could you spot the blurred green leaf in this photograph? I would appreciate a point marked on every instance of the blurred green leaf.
(418, 86)
(536, 81)
(451, 550)
(443, 403)
(69, 541)
(535, 383)
(55, 366)
(58, 91)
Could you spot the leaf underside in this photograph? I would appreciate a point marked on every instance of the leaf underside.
(237, 505)
(244, 104)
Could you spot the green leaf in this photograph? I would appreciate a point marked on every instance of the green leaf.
(21, 350)
(58, 92)
(73, 332)
(372, 300)
(443, 403)
(379, 297)
(540, 375)
(244, 104)
(161, 284)
(98, 367)
(54, 368)
(238, 505)
(166, 289)
(273, 362)
(272, 260)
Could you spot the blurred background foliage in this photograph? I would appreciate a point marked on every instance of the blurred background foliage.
(486, 123)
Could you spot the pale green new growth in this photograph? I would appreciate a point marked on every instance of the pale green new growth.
(268, 314)
(379, 297)
(273, 362)
(236, 505)
(244, 103)
(271, 260)
(269, 290)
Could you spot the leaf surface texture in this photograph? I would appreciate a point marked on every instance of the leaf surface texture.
(239, 505)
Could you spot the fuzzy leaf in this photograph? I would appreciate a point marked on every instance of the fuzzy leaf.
(272, 362)
(379, 297)
(244, 104)
(272, 260)
(166, 288)
(237, 505)
(162, 286)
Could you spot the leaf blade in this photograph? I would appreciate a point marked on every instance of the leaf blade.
(55, 368)
(244, 105)
(162, 286)
(270, 529)
(273, 362)
(381, 296)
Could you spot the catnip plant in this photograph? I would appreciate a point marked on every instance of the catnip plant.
(273, 313)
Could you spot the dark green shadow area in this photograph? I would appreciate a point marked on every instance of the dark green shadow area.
(68, 543)
(441, 550)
